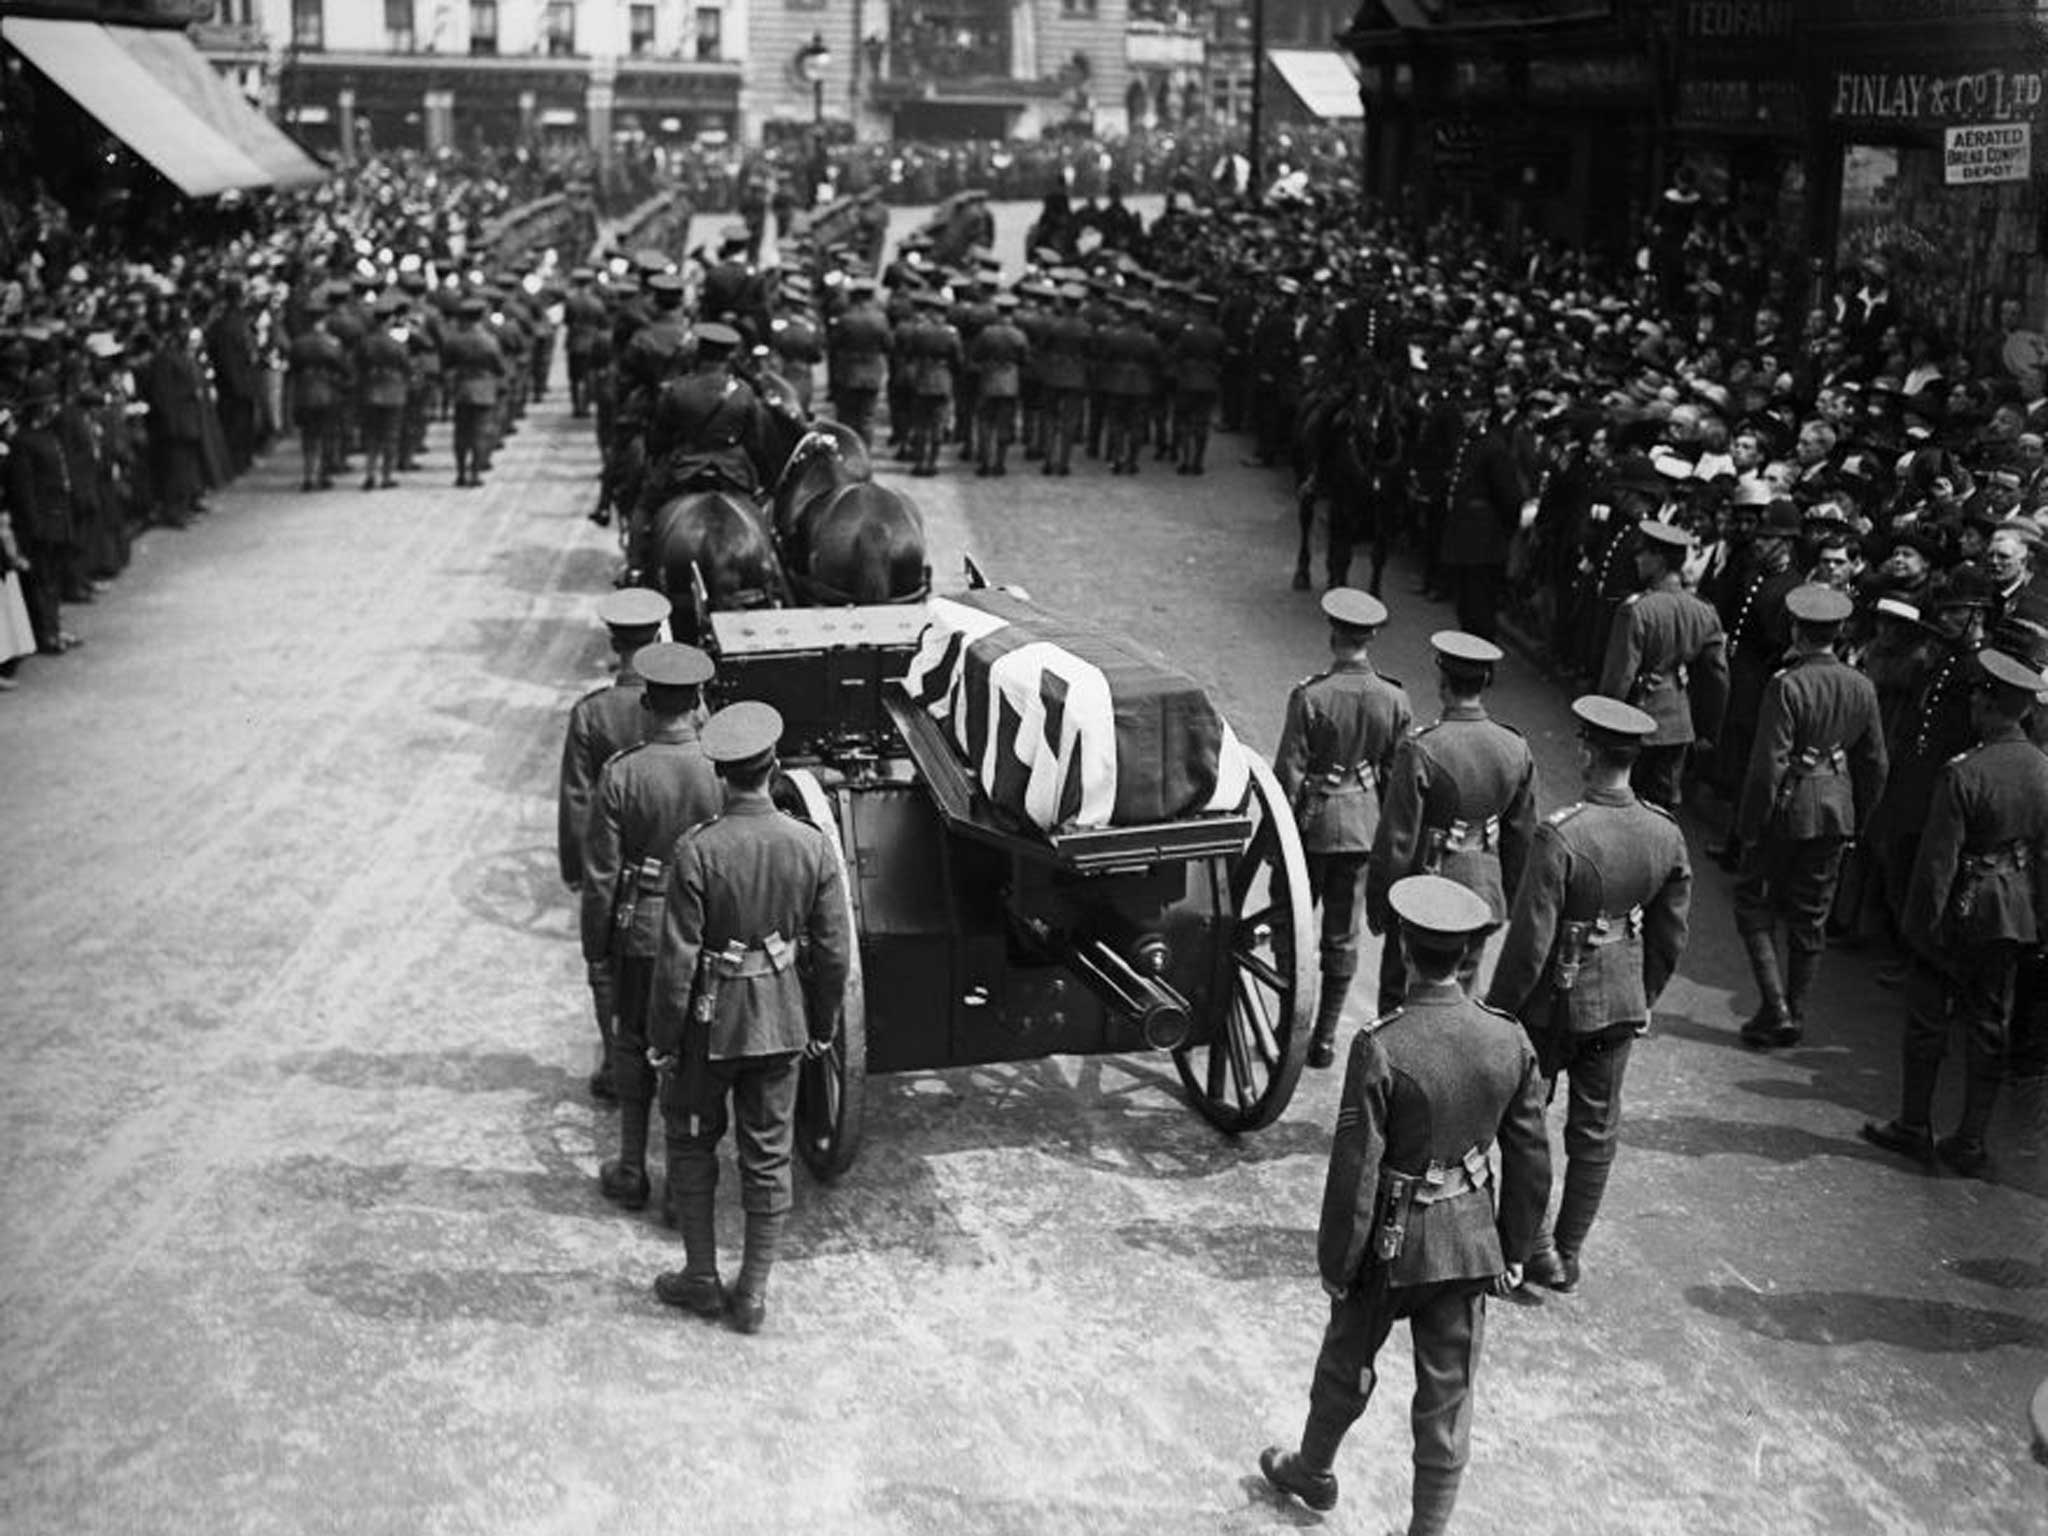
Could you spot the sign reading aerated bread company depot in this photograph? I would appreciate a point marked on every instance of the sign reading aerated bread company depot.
(1983, 152)
(1916, 97)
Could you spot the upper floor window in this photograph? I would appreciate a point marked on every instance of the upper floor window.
(710, 34)
(483, 26)
(399, 36)
(1077, 7)
(640, 30)
(561, 28)
(309, 24)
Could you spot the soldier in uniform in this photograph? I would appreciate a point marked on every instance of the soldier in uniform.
(705, 431)
(1758, 631)
(1815, 774)
(1666, 655)
(603, 723)
(1195, 365)
(385, 366)
(1129, 356)
(1975, 906)
(1597, 929)
(1414, 1223)
(736, 1005)
(1067, 344)
(1459, 801)
(1336, 750)
(934, 357)
(996, 357)
(857, 345)
(583, 318)
(476, 377)
(319, 380)
(647, 797)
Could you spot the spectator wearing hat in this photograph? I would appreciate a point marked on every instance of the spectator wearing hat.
(1337, 745)
(171, 386)
(1598, 926)
(1974, 906)
(1667, 656)
(237, 378)
(1459, 801)
(733, 1012)
(645, 798)
(40, 505)
(1414, 1224)
(1814, 776)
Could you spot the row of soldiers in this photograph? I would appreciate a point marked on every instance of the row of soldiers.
(1429, 833)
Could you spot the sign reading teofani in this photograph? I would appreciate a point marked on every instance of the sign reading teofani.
(1987, 152)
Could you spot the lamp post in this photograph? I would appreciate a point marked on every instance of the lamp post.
(1255, 148)
(812, 61)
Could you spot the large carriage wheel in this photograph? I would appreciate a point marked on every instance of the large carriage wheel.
(1261, 991)
(831, 1094)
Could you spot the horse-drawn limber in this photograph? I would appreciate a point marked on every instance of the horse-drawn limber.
(985, 938)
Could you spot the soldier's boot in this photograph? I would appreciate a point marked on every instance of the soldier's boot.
(1290, 1472)
(1322, 1040)
(1550, 1269)
(1585, 1187)
(1434, 1496)
(1801, 967)
(695, 1286)
(623, 1180)
(1964, 1152)
(603, 1083)
(1771, 1025)
(1910, 1135)
(747, 1306)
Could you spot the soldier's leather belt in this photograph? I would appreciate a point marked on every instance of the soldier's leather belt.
(1820, 761)
(1612, 930)
(650, 874)
(1446, 1181)
(2004, 859)
(1338, 778)
(763, 957)
(1470, 836)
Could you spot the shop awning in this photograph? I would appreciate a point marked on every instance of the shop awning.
(166, 105)
(1321, 81)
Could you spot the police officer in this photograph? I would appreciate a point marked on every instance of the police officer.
(1336, 750)
(1597, 929)
(1975, 906)
(476, 379)
(1459, 801)
(603, 723)
(647, 797)
(1666, 655)
(1815, 774)
(1410, 1227)
(734, 1011)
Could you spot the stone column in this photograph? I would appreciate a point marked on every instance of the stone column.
(438, 108)
(345, 122)
(600, 95)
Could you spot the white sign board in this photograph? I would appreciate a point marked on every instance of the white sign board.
(1982, 152)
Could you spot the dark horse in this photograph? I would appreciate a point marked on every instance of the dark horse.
(864, 544)
(1354, 447)
(712, 552)
(826, 459)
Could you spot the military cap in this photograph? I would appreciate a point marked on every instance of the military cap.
(582, 275)
(1898, 608)
(2021, 639)
(1006, 301)
(1780, 519)
(471, 308)
(1462, 652)
(1072, 291)
(667, 283)
(928, 298)
(413, 280)
(712, 334)
(1664, 535)
(1603, 719)
(2010, 671)
(860, 284)
(1966, 587)
(671, 665)
(632, 608)
(1354, 609)
(647, 259)
(741, 734)
(1814, 603)
(1432, 908)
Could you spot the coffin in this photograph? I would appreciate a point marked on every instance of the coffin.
(1066, 726)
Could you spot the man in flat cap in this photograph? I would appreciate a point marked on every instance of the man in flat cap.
(1596, 931)
(1336, 750)
(1976, 904)
(1459, 801)
(646, 798)
(735, 1010)
(602, 724)
(1414, 1224)
(1815, 774)
(1667, 656)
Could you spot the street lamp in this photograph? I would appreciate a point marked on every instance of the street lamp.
(812, 61)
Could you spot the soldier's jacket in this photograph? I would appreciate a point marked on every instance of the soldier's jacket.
(1127, 354)
(1460, 796)
(1336, 750)
(859, 344)
(1981, 876)
(1067, 342)
(583, 317)
(1036, 324)
(1610, 859)
(647, 797)
(794, 337)
(1666, 655)
(933, 353)
(602, 724)
(997, 356)
(319, 371)
(474, 366)
(646, 361)
(1195, 361)
(707, 418)
(1442, 1079)
(751, 875)
(383, 368)
(1818, 763)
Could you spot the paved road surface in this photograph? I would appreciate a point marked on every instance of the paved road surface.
(300, 1232)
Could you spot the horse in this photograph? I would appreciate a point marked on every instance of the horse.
(865, 544)
(1355, 449)
(784, 422)
(825, 459)
(712, 552)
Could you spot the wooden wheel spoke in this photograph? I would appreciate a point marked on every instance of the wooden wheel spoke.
(1240, 1062)
(1214, 1080)
(1254, 1009)
(1260, 967)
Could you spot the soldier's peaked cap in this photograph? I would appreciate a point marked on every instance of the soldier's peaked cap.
(632, 608)
(1665, 535)
(1354, 609)
(712, 334)
(2011, 671)
(665, 282)
(742, 733)
(647, 259)
(1817, 604)
(1602, 718)
(1431, 907)
(1455, 648)
(671, 665)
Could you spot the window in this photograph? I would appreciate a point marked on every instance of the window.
(1077, 7)
(483, 26)
(640, 31)
(561, 28)
(398, 32)
(710, 33)
(309, 24)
